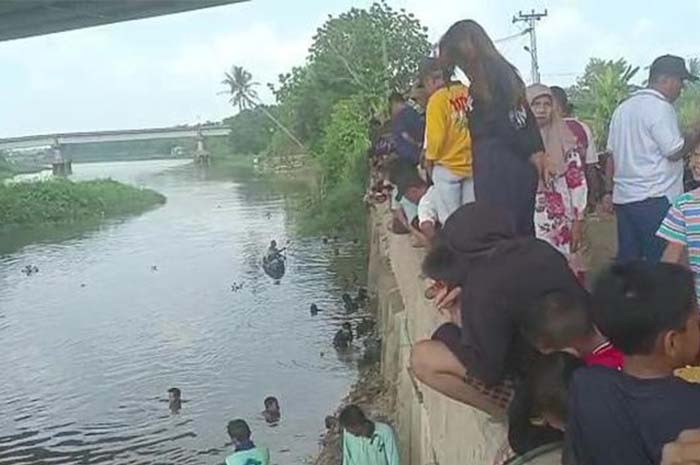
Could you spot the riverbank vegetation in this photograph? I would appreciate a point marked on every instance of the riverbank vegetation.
(355, 61)
(61, 200)
(324, 107)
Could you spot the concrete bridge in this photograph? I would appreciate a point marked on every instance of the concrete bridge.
(62, 166)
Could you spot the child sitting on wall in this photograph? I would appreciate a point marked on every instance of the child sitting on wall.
(423, 221)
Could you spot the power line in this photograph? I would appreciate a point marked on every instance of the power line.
(531, 20)
(511, 37)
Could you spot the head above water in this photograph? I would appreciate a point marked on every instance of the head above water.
(467, 46)
(354, 421)
(649, 310)
(238, 431)
(174, 394)
(347, 326)
(273, 244)
(271, 404)
(668, 74)
(557, 321)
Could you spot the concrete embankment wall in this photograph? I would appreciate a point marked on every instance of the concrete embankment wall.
(431, 428)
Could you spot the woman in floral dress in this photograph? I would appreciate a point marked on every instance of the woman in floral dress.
(560, 202)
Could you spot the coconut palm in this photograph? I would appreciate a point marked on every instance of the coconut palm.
(597, 93)
(241, 88)
(243, 95)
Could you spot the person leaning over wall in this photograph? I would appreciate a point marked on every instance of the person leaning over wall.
(488, 276)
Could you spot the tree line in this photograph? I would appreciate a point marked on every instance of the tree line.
(356, 60)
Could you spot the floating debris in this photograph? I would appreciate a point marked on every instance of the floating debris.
(30, 270)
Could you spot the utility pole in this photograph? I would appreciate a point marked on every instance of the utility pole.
(531, 18)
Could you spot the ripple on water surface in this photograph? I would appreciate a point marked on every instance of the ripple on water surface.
(120, 312)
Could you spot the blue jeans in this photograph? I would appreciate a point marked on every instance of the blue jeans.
(637, 223)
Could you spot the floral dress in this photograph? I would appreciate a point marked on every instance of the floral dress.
(558, 205)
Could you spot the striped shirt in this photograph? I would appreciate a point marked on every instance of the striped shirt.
(682, 226)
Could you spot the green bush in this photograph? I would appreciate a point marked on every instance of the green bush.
(60, 200)
(342, 161)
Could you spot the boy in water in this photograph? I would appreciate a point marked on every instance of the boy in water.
(366, 442)
(174, 400)
(343, 338)
(272, 412)
(626, 417)
(246, 453)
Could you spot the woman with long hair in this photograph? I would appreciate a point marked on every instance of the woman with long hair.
(561, 202)
(507, 149)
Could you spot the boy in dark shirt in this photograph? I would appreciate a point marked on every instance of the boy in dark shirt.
(625, 417)
(560, 321)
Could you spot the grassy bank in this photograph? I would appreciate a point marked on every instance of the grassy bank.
(60, 200)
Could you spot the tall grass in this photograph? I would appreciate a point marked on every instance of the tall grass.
(60, 200)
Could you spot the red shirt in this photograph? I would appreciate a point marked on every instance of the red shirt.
(605, 355)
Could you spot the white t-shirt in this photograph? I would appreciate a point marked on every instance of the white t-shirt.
(427, 208)
(644, 132)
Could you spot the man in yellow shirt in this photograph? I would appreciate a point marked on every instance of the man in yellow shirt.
(448, 153)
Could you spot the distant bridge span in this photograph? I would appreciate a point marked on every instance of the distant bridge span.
(52, 140)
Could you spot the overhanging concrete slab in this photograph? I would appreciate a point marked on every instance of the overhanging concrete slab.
(26, 18)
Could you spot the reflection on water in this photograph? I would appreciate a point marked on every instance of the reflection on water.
(121, 311)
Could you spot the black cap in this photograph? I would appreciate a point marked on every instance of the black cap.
(671, 65)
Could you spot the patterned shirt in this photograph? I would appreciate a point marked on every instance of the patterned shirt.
(682, 226)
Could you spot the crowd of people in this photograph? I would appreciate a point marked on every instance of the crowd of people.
(495, 179)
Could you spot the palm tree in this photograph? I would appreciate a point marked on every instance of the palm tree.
(240, 87)
(604, 84)
(244, 96)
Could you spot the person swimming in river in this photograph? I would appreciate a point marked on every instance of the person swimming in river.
(350, 304)
(343, 338)
(272, 413)
(174, 400)
(314, 309)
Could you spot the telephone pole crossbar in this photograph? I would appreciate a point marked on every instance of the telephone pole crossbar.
(531, 19)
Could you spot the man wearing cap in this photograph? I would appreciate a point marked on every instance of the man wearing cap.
(647, 159)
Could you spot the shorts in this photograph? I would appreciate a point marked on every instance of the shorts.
(500, 394)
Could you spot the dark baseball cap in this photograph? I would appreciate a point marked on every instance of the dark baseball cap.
(671, 65)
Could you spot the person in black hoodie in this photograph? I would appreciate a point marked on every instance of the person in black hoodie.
(489, 279)
(507, 149)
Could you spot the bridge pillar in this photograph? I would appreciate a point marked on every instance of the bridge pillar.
(201, 154)
(59, 164)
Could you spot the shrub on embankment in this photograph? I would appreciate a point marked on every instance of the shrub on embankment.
(60, 200)
(342, 159)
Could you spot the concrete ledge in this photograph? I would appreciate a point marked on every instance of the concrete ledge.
(431, 428)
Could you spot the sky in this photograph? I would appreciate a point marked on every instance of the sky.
(165, 71)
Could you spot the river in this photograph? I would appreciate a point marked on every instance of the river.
(123, 310)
